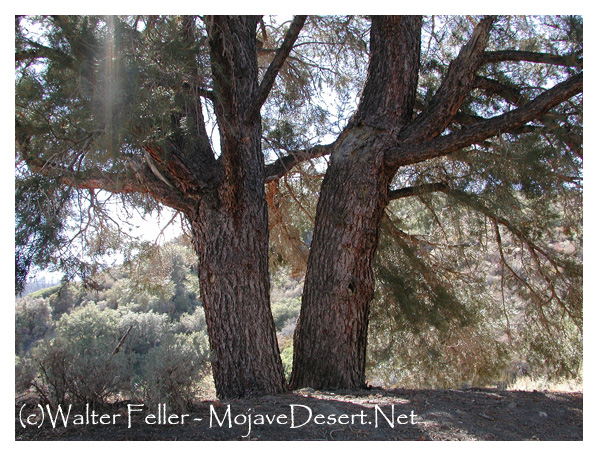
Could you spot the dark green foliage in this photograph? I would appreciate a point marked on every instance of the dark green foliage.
(33, 322)
(461, 301)
(90, 90)
(66, 298)
(430, 324)
(46, 292)
(41, 208)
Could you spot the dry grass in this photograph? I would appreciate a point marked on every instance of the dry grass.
(528, 383)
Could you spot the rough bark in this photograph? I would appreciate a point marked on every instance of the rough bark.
(230, 226)
(232, 243)
(331, 336)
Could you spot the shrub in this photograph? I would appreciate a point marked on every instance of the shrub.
(25, 373)
(285, 310)
(32, 322)
(65, 299)
(193, 322)
(172, 371)
(288, 328)
(149, 329)
(77, 365)
(287, 360)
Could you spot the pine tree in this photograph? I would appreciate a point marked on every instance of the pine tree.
(480, 105)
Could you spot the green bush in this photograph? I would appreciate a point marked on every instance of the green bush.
(171, 371)
(287, 360)
(148, 330)
(78, 365)
(192, 322)
(285, 310)
(25, 373)
(32, 322)
(66, 298)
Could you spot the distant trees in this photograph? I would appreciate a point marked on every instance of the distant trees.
(163, 352)
(34, 284)
(466, 138)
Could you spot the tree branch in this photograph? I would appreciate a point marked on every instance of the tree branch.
(283, 165)
(88, 179)
(509, 93)
(114, 182)
(138, 178)
(417, 190)
(454, 88)
(275, 66)
(188, 174)
(389, 94)
(38, 51)
(475, 203)
(512, 95)
(162, 192)
(537, 57)
(409, 153)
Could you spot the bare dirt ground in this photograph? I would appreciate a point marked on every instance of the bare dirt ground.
(375, 415)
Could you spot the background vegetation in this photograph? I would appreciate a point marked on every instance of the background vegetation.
(67, 335)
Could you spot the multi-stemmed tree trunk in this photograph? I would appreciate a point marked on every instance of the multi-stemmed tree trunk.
(331, 335)
(230, 221)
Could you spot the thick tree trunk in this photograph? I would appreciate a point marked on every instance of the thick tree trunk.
(330, 340)
(230, 233)
(232, 246)
(331, 336)
(230, 225)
